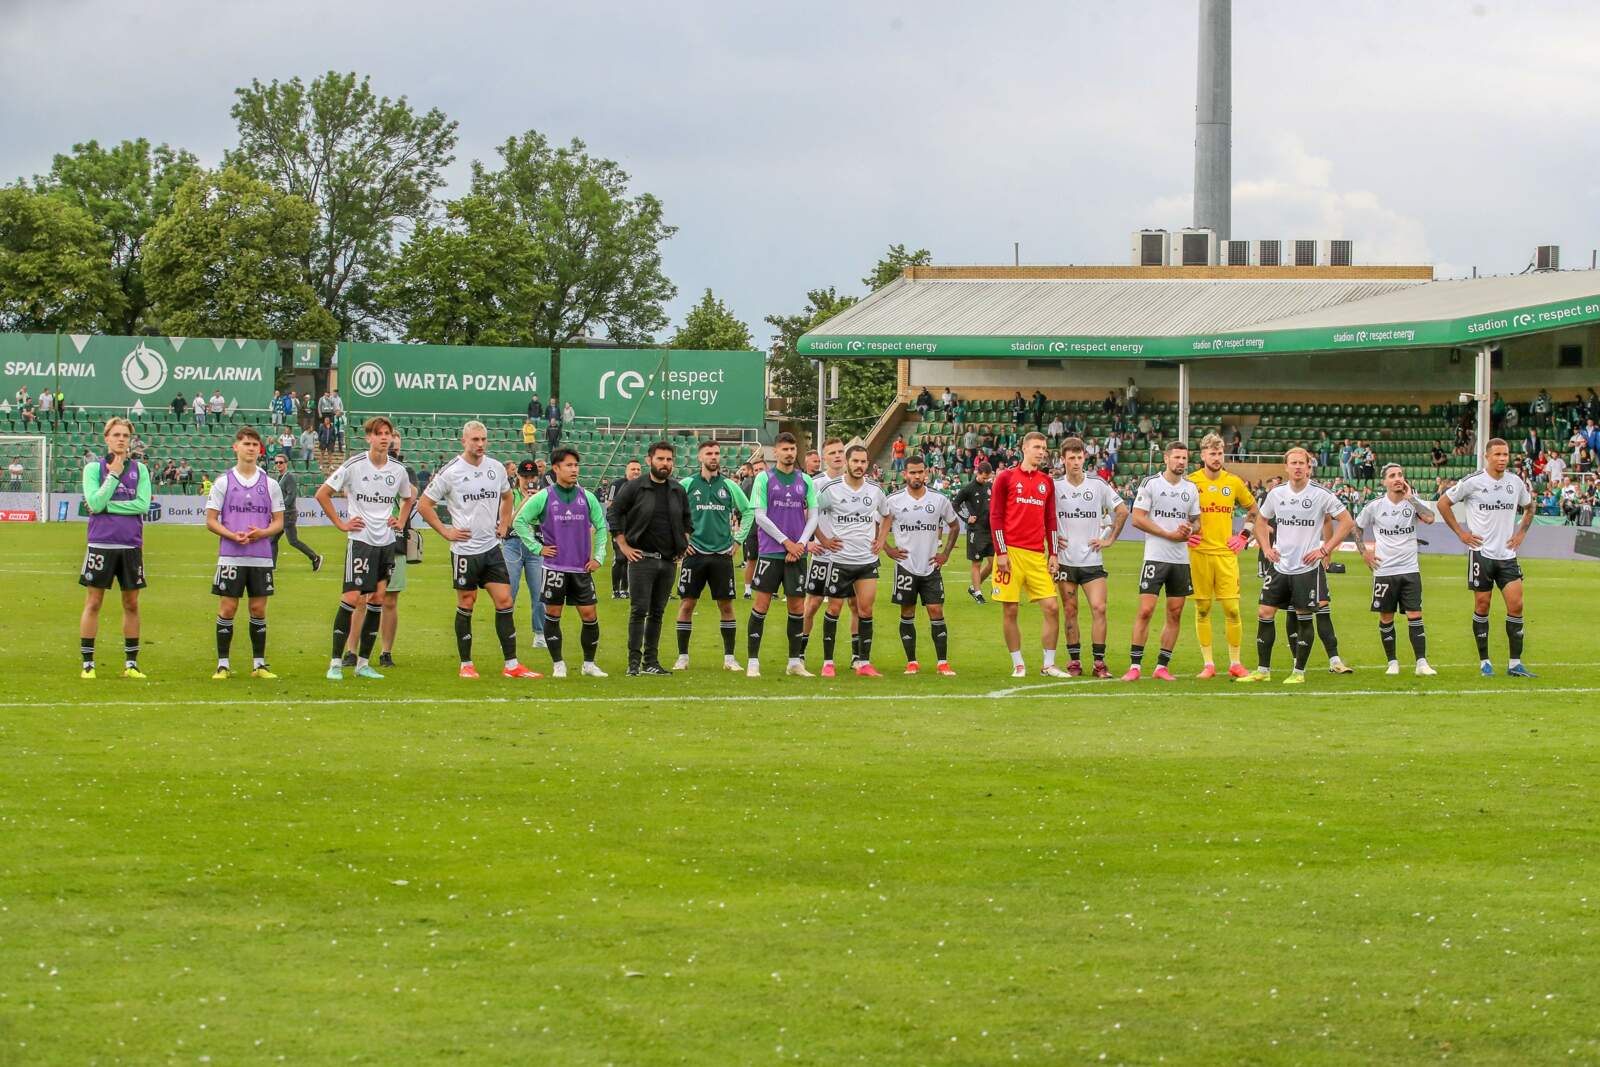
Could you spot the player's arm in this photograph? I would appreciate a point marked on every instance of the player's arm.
(398, 522)
(503, 527)
(275, 527)
(614, 518)
(952, 534)
(1529, 508)
(598, 549)
(526, 522)
(998, 491)
(428, 505)
(1119, 519)
(1447, 502)
(1052, 562)
(97, 492)
(758, 508)
(741, 504)
(324, 497)
(141, 496)
(1369, 551)
(1342, 525)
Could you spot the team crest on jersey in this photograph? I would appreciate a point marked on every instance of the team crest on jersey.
(722, 494)
(1227, 490)
(1306, 503)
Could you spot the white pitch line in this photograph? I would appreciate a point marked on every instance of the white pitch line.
(1098, 693)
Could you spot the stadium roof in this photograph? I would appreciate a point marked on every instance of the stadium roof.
(995, 313)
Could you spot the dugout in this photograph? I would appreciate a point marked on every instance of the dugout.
(1262, 340)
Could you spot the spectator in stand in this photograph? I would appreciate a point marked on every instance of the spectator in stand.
(1591, 435)
(327, 437)
(1236, 448)
(286, 442)
(1019, 407)
(1055, 431)
(947, 400)
(47, 402)
(1145, 427)
(1347, 452)
(1555, 471)
(1531, 445)
(530, 436)
(552, 413)
(1130, 395)
(215, 406)
(308, 446)
(569, 414)
(20, 396)
(1113, 446)
(324, 408)
(1541, 408)
(185, 475)
(29, 413)
(14, 472)
(291, 405)
(1118, 425)
(898, 452)
(198, 407)
(338, 404)
(535, 407)
(1439, 456)
(60, 405)
(1091, 453)
(924, 402)
(1511, 420)
(308, 413)
(552, 428)
(341, 425)
(169, 473)
(1038, 410)
(276, 408)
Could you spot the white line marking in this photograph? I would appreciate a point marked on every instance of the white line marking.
(1099, 693)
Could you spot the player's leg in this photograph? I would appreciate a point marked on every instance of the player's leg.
(813, 604)
(89, 626)
(257, 606)
(688, 597)
(756, 624)
(1325, 631)
(1511, 593)
(1098, 593)
(291, 533)
(1387, 637)
(1202, 568)
(1141, 634)
(866, 592)
(388, 625)
(940, 633)
(1049, 632)
(1225, 592)
(589, 635)
(1170, 628)
(554, 602)
(1266, 637)
(856, 655)
(130, 633)
(371, 623)
(908, 630)
(466, 600)
(1419, 642)
(505, 624)
(1482, 586)
(830, 634)
(727, 625)
(227, 608)
(657, 579)
(794, 591)
(1069, 624)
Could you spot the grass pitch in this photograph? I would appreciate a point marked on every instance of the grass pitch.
(707, 869)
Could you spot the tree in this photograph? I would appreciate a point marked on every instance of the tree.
(470, 281)
(125, 189)
(365, 163)
(866, 387)
(896, 260)
(227, 261)
(711, 327)
(55, 266)
(599, 248)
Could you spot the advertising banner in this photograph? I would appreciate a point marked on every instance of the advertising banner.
(114, 372)
(307, 355)
(182, 509)
(679, 387)
(393, 379)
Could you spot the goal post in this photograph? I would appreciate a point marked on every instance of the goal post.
(24, 478)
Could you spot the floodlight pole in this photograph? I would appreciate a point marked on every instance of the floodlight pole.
(1483, 391)
(822, 404)
(1183, 401)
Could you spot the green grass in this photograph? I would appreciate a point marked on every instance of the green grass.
(642, 871)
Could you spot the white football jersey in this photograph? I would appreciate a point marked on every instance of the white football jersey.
(1299, 517)
(919, 523)
(1083, 513)
(1169, 507)
(1394, 530)
(851, 515)
(1492, 508)
(473, 496)
(823, 480)
(371, 492)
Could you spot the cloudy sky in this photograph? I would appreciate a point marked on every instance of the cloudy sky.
(791, 143)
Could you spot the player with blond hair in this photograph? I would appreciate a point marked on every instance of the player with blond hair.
(1214, 553)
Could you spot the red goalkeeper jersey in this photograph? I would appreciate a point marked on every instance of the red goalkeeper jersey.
(1022, 510)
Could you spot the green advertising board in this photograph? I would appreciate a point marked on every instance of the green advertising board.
(665, 386)
(394, 379)
(115, 372)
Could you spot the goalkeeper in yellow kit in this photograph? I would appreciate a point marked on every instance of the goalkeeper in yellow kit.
(1214, 552)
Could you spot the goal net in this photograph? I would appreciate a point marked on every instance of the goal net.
(24, 478)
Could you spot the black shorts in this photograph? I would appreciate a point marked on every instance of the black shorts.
(775, 571)
(1484, 574)
(909, 588)
(703, 570)
(568, 587)
(1080, 575)
(101, 565)
(842, 577)
(1155, 576)
(752, 543)
(477, 571)
(1303, 592)
(238, 582)
(366, 565)
(819, 576)
(980, 544)
(1396, 592)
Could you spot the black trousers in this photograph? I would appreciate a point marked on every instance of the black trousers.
(291, 533)
(619, 574)
(649, 588)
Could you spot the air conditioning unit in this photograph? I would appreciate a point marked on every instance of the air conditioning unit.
(1194, 248)
(1335, 254)
(1150, 248)
(1302, 253)
(1547, 257)
(1235, 253)
(1266, 253)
